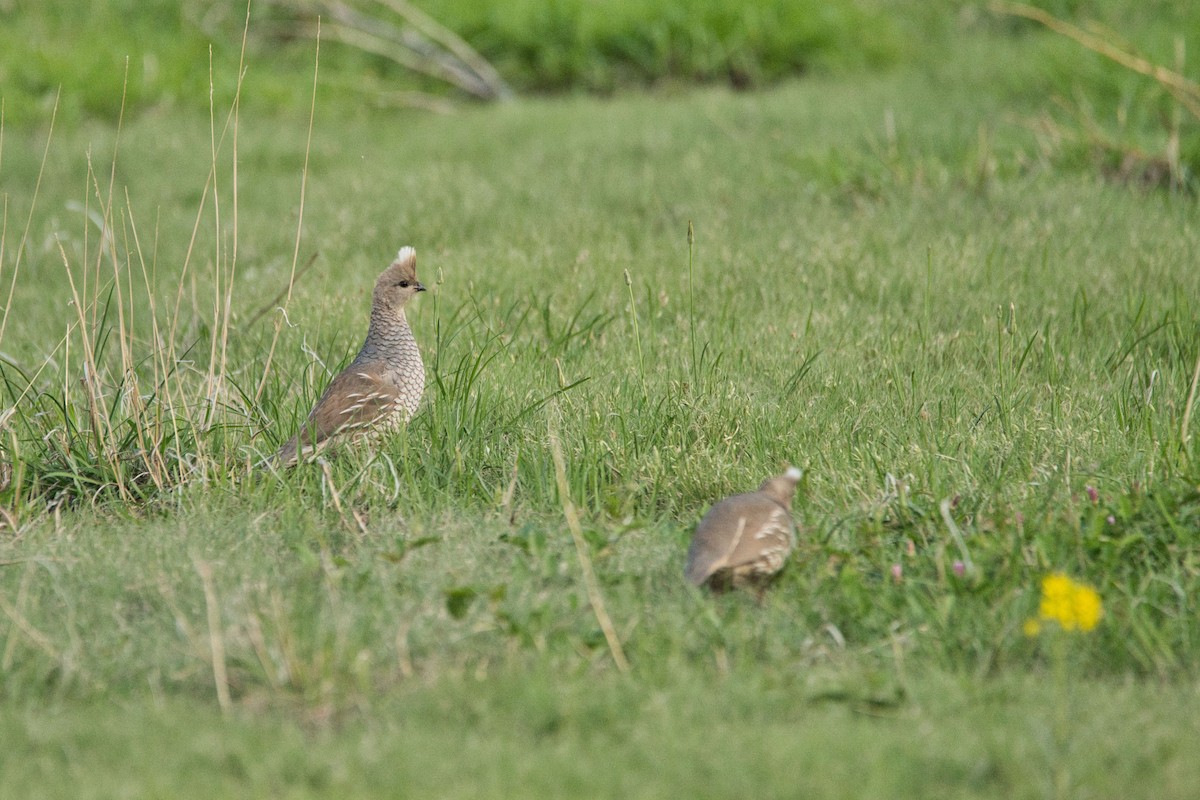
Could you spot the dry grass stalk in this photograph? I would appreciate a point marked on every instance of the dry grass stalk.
(420, 43)
(1127, 164)
(1185, 91)
(216, 638)
(585, 563)
(312, 113)
(1185, 433)
(123, 419)
(31, 633)
(336, 497)
(12, 284)
(453, 42)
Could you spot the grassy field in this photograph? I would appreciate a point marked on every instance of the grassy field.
(980, 349)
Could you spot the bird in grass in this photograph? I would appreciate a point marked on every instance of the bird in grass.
(382, 387)
(744, 540)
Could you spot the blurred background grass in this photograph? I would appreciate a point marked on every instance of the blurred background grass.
(537, 45)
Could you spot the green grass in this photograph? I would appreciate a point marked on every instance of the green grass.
(600, 46)
(779, 737)
(891, 284)
(172, 48)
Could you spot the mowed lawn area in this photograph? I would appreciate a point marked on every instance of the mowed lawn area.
(980, 346)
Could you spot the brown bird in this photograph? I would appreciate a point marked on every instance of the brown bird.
(744, 540)
(382, 387)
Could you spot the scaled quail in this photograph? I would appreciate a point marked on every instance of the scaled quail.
(382, 387)
(745, 539)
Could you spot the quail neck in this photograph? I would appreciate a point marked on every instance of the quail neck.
(390, 342)
(389, 338)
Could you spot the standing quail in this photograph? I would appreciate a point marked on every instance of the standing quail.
(745, 539)
(382, 387)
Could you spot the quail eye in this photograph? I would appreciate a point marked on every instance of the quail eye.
(403, 284)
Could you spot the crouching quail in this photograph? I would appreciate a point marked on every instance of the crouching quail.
(744, 540)
(382, 387)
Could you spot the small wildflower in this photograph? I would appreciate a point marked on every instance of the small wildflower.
(1111, 520)
(1032, 627)
(1092, 494)
(1074, 606)
(959, 568)
(897, 573)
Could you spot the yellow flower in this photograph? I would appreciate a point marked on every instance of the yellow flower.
(1088, 608)
(1031, 627)
(1074, 606)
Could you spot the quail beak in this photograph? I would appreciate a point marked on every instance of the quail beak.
(420, 286)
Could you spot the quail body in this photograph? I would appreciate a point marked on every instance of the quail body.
(382, 387)
(744, 540)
